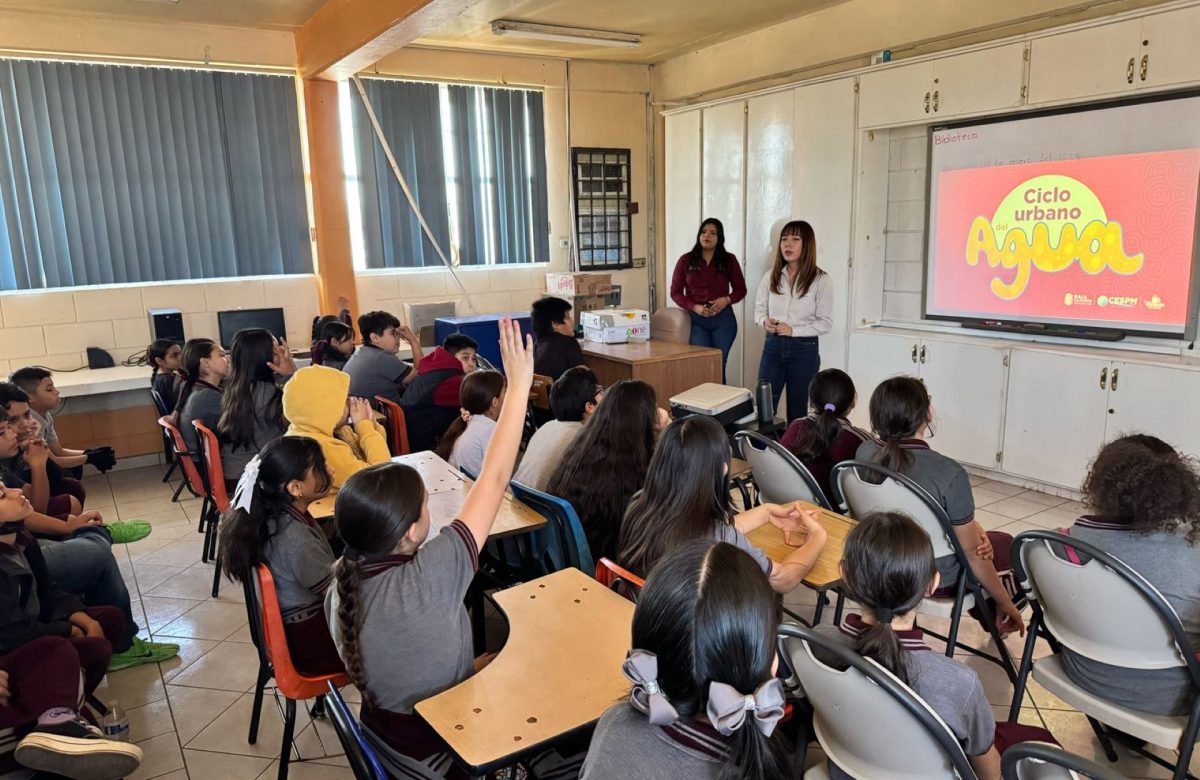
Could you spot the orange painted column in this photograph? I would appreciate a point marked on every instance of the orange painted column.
(335, 264)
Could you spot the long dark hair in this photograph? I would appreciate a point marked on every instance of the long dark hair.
(251, 351)
(608, 460)
(887, 567)
(374, 509)
(157, 351)
(708, 613)
(475, 395)
(194, 351)
(322, 348)
(1145, 483)
(807, 271)
(244, 535)
(831, 387)
(899, 409)
(686, 493)
(720, 260)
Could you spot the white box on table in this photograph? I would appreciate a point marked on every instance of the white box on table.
(615, 326)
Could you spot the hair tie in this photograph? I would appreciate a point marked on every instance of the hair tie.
(830, 408)
(464, 414)
(727, 707)
(883, 614)
(243, 495)
(318, 352)
(641, 669)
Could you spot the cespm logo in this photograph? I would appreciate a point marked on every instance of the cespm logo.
(953, 138)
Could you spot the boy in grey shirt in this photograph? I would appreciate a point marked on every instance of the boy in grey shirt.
(573, 399)
(375, 369)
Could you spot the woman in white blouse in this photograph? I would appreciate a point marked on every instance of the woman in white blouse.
(794, 304)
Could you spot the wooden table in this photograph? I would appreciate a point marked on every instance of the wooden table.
(447, 488)
(825, 571)
(558, 672)
(670, 368)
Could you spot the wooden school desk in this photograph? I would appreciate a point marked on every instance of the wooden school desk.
(558, 672)
(670, 368)
(447, 488)
(769, 539)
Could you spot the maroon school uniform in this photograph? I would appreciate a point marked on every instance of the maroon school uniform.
(844, 448)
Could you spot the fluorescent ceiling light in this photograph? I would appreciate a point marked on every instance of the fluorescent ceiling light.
(551, 32)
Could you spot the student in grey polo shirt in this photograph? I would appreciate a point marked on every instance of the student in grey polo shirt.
(1145, 500)
(466, 440)
(375, 369)
(573, 399)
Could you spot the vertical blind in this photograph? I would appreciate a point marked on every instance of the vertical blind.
(475, 160)
(116, 174)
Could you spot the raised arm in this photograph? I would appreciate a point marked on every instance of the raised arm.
(483, 501)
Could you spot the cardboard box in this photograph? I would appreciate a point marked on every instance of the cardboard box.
(616, 326)
(578, 284)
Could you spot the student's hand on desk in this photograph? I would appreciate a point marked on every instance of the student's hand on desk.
(360, 410)
(85, 623)
(483, 660)
(281, 362)
(36, 453)
(786, 517)
(517, 356)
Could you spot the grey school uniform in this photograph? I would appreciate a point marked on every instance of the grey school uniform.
(1172, 566)
(233, 461)
(49, 435)
(726, 532)
(301, 563)
(546, 450)
(473, 443)
(375, 372)
(626, 745)
(203, 404)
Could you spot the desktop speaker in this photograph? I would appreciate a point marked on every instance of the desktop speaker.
(167, 324)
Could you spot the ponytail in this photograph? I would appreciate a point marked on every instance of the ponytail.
(348, 574)
(475, 396)
(899, 410)
(753, 755)
(831, 396)
(193, 352)
(446, 444)
(881, 645)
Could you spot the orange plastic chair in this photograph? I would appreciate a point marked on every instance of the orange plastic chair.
(276, 661)
(191, 474)
(210, 455)
(397, 427)
(618, 579)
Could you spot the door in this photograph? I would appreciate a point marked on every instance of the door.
(968, 383)
(1167, 49)
(723, 193)
(682, 190)
(875, 357)
(895, 95)
(1096, 61)
(1157, 400)
(1055, 416)
(979, 81)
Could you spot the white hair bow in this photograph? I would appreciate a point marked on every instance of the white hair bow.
(243, 496)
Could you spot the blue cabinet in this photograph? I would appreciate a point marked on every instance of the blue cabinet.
(484, 328)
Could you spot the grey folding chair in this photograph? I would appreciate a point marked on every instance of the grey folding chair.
(1040, 761)
(868, 722)
(778, 474)
(898, 493)
(1074, 607)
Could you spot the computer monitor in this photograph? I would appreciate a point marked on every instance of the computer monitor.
(230, 322)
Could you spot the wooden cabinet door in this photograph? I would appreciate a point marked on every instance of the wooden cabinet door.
(895, 96)
(875, 357)
(1158, 400)
(1167, 49)
(1084, 63)
(968, 383)
(979, 81)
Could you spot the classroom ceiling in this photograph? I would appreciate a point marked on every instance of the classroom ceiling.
(259, 14)
(668, 27)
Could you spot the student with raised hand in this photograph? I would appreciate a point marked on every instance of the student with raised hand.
(902, 418)
(826, 437)
(481, 399)
(252, 404)
(318, 404)
(269, 524)
(574, 397)
(686, 497)
(888, 569)
(163, 356)
(396, 612)
(375, 369)
(205, 366)
(705, 702)
(1144, 509)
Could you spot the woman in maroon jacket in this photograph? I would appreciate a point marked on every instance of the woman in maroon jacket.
(706, 282)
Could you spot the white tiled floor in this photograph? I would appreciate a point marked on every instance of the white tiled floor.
(191, 715)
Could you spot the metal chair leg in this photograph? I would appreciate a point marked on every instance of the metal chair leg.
(289, 728)
(264, 676)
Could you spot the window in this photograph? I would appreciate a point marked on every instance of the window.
(601, 180)
(474, 159)
(118, 174)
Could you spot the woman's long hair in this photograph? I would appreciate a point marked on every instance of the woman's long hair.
(249, 355)
(244, 535)
(374, 509)
(887, 567)
(194, 351)
(831, 387)
(899, 410)
(475, 396)
(807, 271)
(1145, 483)
(686, 493)
(708, 613)
(608, 460)
(720, 260)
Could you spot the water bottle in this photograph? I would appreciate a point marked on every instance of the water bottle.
(766, 403)
(115, 724)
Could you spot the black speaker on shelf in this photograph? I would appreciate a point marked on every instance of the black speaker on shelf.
(167, 324)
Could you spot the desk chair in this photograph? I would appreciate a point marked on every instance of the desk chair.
(1040, 761)
(396, 425)
(168, 449)
(218, 505)
(363, 761)
(563, 543)
(898, 493)
(671, 324)
(868, 722)
(1073, 605)
(192, 476)
(618, 579)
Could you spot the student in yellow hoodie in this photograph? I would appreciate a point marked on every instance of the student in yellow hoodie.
(317, 402)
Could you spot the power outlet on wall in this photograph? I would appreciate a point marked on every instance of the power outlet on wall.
(639, 262)
(564, 243)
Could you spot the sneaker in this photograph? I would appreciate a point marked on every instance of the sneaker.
(126, 531)
(142, 652)
(77, 750)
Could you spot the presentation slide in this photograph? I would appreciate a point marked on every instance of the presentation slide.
(1093, 230)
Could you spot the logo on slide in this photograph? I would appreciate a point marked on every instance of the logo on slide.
(1039, 211)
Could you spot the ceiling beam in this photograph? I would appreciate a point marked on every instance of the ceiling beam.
(347, 36)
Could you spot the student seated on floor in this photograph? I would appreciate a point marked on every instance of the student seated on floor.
(317, 403)
(431, 402)
(164, 356)
(374, 369)
(574, 397)
(703, 650)
(826, 437)
(44, 399)
(480, 400)
(888, 569)
(396, 612)
(557, 347)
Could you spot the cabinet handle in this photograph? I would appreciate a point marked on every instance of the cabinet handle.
(1129, 70)
(914, 353)
(935, 100)
(922, 353)
(1116, 373)
(1104, 378)
(1145, 67)
(927, 99)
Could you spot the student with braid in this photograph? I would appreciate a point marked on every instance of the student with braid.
(396, 610)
